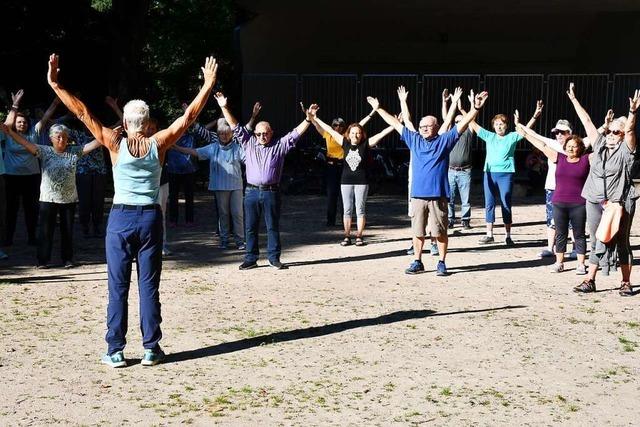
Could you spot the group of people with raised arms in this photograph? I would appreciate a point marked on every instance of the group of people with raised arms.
(585, 184)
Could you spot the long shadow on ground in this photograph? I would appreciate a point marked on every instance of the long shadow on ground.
(318, 331)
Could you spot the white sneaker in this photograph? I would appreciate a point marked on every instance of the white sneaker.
(546, 253)
(557, 268)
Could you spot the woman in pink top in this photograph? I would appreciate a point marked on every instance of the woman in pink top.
(572, 169)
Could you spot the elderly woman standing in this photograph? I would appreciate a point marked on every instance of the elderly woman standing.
(609, 181)
(499, 169)
(58, 194)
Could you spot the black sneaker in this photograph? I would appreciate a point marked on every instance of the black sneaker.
(508, 241)
(466, 225)
(248, 265)
(69, 264)
(416, 267)
(278, 265)
(451, 223)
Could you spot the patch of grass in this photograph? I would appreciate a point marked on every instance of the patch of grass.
(632, 325)
(627, 344)
(446, 391)
(389, 387)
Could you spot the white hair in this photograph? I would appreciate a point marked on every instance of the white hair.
(135, 115)
(223, 125)
(58, 128)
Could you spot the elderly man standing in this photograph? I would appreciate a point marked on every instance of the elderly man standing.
(134, 230)
(430, 186)
(264, 159)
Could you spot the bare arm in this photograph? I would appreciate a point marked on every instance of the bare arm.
(15, 105)
(254, 115)
(629, 129)
(106, 136)
(373, 141)
(467, 119)
(443, 108)
(87, 148)
(170, 136)
(366, 118)
(535, 139)
(536, 114)
(404, 108)
(389, 118)
(222, 103)
(592, 132)
(448, 119)
(323, 127)
(47, 115)
(32, 148)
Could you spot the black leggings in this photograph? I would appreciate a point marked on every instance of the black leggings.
(577, 214)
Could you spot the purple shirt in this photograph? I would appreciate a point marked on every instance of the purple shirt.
(264, 162)
(570, 178)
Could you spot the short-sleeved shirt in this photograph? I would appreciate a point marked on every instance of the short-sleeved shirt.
(430, 163)
(58, 183)
(225, 165)
(92, 162)
(550, 181)
(334, 149)
(17, 160)
(460, 156)
(355, 167)
(570, 178)
(614, 168)
(500, 150)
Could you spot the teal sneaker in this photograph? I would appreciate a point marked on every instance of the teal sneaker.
(115, 360)
(150, 357)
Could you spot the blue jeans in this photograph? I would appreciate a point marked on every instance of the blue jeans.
(255, 202)
(134, 235)
(500, 184)
(460, 181)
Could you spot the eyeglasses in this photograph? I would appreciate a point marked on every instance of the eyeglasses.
(425, 126)
(336, 125)
(260, 134)
(558, 132)
(615, 132)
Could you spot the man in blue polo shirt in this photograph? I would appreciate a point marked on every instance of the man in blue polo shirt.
(430, 187)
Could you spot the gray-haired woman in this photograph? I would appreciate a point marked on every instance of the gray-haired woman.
(58, 194)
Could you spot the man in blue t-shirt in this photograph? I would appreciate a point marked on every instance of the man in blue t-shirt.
(430, 187)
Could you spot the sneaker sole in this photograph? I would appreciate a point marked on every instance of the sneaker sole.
(151, 362)
(116, 364)
(249, 268)
(413, 272)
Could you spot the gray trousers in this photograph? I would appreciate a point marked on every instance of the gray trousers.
(351, 192)
(230, 204)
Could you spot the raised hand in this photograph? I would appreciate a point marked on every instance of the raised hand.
(516, 118)
(480, 99)
(635, 101)
(445, 95)
(375, 104)
(210, 70)
(539, 107)
(457, 94)
(16, 97)
(52, 73)
(184, 106)
(312, 111)
(110, 101)
(221, 99)
(571, 92)
(471, 97)
(402, 94)
(608, 119)
(256, 109)
(459, 104)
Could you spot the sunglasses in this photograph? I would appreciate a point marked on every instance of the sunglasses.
(259, 134)
(615, 132)
(558, 132)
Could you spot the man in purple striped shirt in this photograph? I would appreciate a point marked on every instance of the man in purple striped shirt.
(264, 159)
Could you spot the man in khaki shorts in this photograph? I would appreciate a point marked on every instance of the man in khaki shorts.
(430, 185)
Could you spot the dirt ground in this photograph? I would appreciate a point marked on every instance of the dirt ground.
(343, 337)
